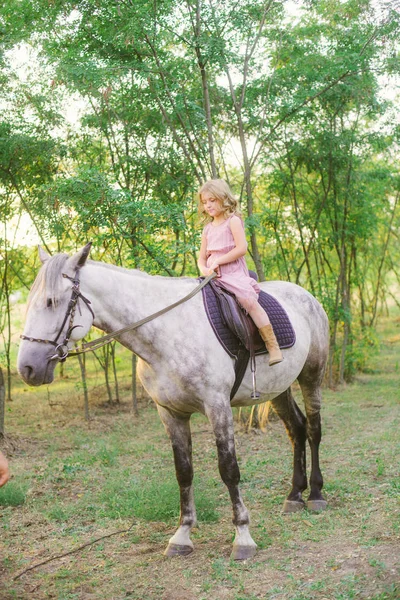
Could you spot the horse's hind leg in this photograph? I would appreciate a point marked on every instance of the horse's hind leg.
(221, 419)
(178, 429)
(295, 424)
(311, 390)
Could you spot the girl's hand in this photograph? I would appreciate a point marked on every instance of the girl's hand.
(214, 267)
(206, 272)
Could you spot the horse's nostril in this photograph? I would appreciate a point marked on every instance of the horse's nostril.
(26, 373)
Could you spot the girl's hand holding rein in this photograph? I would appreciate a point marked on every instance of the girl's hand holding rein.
(214, 267)
(206, 271)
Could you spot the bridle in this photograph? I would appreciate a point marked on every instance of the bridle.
(62, 350)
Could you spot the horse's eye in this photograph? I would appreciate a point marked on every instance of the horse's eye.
(49, 302)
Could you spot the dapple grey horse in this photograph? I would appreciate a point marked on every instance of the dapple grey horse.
(184, 368)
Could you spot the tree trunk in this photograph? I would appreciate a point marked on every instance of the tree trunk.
(105, 363)
(112, 352)
(7, 335)
(333, 337)
(134, 386)
(2, 403)
(346, 309)
(206, 96)
(106, 354)
(82, 364)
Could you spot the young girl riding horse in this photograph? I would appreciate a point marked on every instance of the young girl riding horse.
(223, 246)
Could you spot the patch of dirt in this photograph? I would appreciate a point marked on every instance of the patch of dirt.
(16, 445)
(315, 569)
(304, 557)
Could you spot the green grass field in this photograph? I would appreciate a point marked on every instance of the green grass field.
(74, 481)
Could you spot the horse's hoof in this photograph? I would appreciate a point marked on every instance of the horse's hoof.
(292, 506)
(317, 505)
(243, 552)
(177, 550)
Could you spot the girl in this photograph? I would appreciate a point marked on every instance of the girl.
(223, 246)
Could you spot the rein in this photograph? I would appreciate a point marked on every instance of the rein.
(62, 350)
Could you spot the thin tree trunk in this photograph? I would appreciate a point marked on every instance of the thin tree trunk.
(192, 150)
(2, 403)
(105, 365)
(106, 354)
(112, 352)
(345, 285)
(247, 179)
(134, 386)
(300, 229)
(26, 208)
(238, 104)
(345, 344)
(82, 364)
(206, 96)
(381, 263)
(7, 341)
(333, 337)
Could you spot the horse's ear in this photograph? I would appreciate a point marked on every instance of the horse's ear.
(43, 255)
(79, 259)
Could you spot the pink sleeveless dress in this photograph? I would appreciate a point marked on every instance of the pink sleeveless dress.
(235, 275)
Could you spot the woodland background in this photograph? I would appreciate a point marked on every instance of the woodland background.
(113, 113)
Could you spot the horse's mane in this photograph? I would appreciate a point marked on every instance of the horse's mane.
(112, 267)
(136, 272)
(47, 282)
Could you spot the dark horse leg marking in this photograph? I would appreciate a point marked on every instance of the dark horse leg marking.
(178, 429)
(310, 380)
(295, 424)
(221, 420)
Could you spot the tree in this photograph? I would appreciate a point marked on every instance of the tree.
(168, 87)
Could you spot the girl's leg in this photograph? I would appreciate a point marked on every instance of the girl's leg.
(262, 322)
(259, 316)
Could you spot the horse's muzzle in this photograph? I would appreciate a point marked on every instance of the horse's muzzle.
(34, 367)
(34, 377)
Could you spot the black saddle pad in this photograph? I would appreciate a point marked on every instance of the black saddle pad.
(280, 322)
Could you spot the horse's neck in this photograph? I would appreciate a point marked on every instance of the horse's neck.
(121, 297)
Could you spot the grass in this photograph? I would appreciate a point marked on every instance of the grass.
(74, 481)
(12, 495)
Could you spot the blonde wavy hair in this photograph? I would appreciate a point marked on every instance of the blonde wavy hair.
(221, 192)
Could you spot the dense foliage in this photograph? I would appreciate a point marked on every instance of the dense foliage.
(285, 101)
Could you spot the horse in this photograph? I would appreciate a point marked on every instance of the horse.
(184, 368)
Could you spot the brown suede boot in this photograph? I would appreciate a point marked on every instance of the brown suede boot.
(268, 335)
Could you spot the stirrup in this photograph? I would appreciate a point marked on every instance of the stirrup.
(254, 394)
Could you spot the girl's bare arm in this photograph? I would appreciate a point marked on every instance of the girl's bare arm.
(202, 262)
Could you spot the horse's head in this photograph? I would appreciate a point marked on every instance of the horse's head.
(57, 316)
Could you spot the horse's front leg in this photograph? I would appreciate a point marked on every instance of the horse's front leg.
(221, 420)
(178, 429)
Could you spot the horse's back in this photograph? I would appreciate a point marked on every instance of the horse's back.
(298, 303)
(310, 324)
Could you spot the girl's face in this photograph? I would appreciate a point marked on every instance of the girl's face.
(212, 205)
